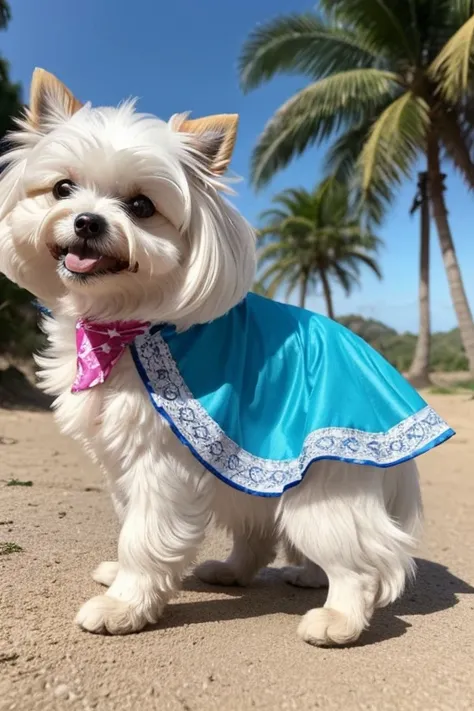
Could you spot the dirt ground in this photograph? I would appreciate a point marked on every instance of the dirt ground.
(220, 649)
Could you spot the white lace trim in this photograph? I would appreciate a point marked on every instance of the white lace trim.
(221, 455)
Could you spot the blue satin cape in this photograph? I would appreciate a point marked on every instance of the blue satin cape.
(263, 392)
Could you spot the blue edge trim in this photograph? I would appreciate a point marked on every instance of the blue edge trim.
(141, 371)
(42, 309)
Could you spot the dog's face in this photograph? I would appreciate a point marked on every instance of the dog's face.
(113, 214)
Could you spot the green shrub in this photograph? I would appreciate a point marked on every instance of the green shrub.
(19, 333)
(447, 353)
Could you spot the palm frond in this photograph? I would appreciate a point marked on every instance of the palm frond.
(271, 250)
(269, 232)
(271, 215)
(459, 12)
(345, 278)
(283, 266)
(387, 25)
(373, 205)
(342, 156)
(342, 161)
(456, 131)
(302, 44)
(364, 239)
(279, 279)
(292, 199)
(292, 284)
(333, 199)
(395, 138)
(317, 111)
(357, 257)
(259, 288)
(297, 224)
(453, 67)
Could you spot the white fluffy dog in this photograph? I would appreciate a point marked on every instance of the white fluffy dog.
(174, 251)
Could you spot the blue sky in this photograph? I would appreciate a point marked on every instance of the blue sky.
(180, 56)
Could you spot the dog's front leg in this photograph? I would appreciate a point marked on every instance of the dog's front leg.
(106, 572)
(166, 517)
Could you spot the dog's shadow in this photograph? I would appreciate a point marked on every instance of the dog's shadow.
(436, 589)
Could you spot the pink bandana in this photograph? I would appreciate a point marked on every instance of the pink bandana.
(99, 348)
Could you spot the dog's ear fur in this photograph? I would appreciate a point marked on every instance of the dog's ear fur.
(214, 137)
(50, 101)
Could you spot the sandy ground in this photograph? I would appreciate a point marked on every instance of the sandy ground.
(220, 648)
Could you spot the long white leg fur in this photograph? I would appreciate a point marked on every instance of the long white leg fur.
(163, 527)
(359, 524)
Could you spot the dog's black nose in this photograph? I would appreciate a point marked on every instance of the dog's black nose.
(88, 225)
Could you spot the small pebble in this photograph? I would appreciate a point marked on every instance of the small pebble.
(61, 691)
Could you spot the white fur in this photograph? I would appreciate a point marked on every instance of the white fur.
(196, 260)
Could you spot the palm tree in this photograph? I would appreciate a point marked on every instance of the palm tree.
(419, 372)
(390, 80)
(312, 238)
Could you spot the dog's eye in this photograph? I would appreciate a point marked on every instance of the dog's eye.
(63, 189)
(141, 206)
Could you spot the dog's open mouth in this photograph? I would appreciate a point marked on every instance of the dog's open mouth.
(84, 260)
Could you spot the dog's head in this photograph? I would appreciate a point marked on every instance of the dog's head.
(108, 213)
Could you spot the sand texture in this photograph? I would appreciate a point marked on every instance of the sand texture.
(226, 649)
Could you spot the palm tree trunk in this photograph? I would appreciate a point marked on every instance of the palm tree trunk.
(327, 293)
(418, 374)
(304, 288)
(453, 272)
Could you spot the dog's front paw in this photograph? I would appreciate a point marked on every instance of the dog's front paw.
(325, 627)
(305, 577)
(217, 572)
(106, 572)
(103, 614)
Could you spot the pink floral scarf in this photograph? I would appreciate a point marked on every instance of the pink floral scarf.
(99, 347)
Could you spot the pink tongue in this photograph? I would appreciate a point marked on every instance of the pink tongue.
(75, 263)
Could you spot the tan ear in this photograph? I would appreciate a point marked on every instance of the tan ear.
(215, 137)
(49, 98)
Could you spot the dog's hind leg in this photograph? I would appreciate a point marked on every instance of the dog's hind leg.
(252, 550)
(251, 521)
(301, 571)
(338, 517)
(308, 575)
(106, 572)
